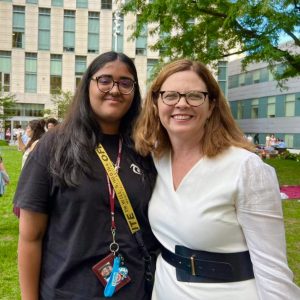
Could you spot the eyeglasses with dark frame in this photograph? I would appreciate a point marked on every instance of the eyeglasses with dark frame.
(105, 84)
(193, 98)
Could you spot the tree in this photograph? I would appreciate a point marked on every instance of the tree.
(62, 101)
(7, 105)
(223, 28)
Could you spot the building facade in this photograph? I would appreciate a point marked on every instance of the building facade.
(46, 45)
(260, 106)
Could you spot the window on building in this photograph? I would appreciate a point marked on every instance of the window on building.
(93, 32)
(264, 75)
(233, 81)
(44, 29)
(81, 3)
(242, 79)
(290, 101)
(141, 41)
(32, 1)
(5, 70)
(18, 34)
(271, 76)
(30, 72)
(271, 107)
(69, 30)
(289, 140)
(240, 110)
(256, 76)
(254, 109)
(80, 67)
(118, 32)
(59, 3)
(26, 109)
(222, 76)
(55, 73)
(106, 4)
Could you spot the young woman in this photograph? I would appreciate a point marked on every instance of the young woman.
(34, 131)
(70, 218)
(216, 206)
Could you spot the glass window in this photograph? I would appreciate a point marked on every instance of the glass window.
(290, 105)
(289, 140)
(69, 31)
(44, 29)
(106, 4)
(93, 32)
(242, 79)
(254, 109)
(32, 1)
(18, 34)
(82, 3)
(59, 3)
(256, 76)
(80, 67)
(141, 41)
(30, 72)
(26, 109)
(264, 75)
(271, 107)
(240, 110)
(118, 32)
(55, 73)
(5, 70)
(222, 76)
(233, 81)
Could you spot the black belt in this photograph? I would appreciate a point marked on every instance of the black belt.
(201, 266)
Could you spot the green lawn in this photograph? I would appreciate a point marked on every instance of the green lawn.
(288, 172)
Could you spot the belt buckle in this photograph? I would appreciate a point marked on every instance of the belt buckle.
(192, 258)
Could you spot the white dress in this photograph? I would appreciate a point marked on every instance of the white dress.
(227, 204)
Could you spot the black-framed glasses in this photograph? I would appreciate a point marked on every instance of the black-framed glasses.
(193, 98)
(106, 83)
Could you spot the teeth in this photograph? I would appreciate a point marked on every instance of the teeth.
(181, 117)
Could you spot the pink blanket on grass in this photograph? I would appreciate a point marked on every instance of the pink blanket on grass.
(292, 191)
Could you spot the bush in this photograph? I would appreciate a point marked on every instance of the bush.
(288, 155)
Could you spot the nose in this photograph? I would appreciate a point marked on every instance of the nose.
(180, 103)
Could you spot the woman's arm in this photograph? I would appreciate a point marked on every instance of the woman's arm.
(259, 211)
(32, 228)
(21, 145)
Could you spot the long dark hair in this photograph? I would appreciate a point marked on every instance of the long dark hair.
(78, 136)
(38, 129)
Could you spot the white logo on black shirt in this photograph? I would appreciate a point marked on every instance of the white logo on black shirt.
(136, 169)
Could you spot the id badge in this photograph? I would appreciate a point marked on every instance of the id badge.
(104, 270)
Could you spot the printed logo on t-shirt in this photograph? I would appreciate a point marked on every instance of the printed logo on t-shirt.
(136, 169)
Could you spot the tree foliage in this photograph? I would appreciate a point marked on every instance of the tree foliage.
(61, 101)
(7, 104)
(223, 28)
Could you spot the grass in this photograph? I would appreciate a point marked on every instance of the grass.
(288, 172)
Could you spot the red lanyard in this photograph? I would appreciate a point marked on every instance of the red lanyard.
(111, 190)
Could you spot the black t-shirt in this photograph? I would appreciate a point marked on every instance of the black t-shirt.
(78, 233)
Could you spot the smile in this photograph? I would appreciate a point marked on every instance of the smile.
(181, 117)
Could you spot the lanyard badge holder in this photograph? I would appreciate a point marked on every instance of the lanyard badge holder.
(111, 270)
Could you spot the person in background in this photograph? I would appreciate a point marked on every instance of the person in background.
(70, 217)
(35, 129)
(4, 178)
(228, 240)
(51, 123)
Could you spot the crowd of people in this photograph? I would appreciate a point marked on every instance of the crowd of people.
(172, 183)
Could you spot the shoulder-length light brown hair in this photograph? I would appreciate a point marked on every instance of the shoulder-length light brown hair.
(221, 131)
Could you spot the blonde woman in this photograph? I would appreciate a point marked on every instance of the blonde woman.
(216, 206)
